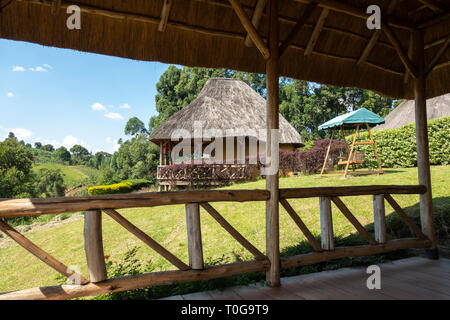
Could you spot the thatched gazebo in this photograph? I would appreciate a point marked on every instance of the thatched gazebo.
(403, 114)
(235, 113)
(326, 41)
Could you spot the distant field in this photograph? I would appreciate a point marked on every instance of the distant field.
(73, 175)
(166, 224)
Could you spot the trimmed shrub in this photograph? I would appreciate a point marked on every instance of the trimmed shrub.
(397, 147)
(126, 186)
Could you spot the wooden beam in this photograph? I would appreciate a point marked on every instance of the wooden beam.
(165, 11)
(423, 153)
(326, 224)
(434, 5)
(348, 9)
(316, 32)
(436, 58)
(410, 49)
(298, 221)
(141, 235)
(39, 206)
(232, 231)
(432, 21)
(376, 34)
(356, 251)
(256, 18)
(412, 226)
(298, 193)
(250, 28)
(272, 147)
(93, 245)
(350, 217)
(4, 4)
(135, 282)
(39, 253)
(409, 65)
(298, 26)
(379, 218)
(194, 236)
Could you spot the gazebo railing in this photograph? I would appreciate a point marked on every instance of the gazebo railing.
(93, 206)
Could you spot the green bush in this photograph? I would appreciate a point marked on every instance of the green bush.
(121, 187)
(397, 147)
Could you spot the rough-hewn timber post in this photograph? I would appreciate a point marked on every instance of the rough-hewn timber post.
(326, 224)
(272, 149)
(423, 159)
(379, 218)
(93, 245)
(194, 234)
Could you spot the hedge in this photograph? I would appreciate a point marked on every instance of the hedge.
(397, 147)
(126, 186)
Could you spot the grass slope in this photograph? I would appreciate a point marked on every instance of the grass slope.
(73, 175)
(19, 269)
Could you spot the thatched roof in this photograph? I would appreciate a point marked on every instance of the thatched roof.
(404, 113)
(225, 104)
(208, 33)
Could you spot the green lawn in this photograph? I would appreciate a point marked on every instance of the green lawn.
(73, 175)
(19, 269)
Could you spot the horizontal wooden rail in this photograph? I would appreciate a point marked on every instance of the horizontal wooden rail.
(342, 252)
(35, 207)
(349, 191)
(135, 282)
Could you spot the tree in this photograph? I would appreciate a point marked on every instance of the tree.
(48, 147)
(63, 155)
(12, 136)
(80, 155)
(134, 127)
(16, 178)
(50, 183)
(100, 159)
(37, 145)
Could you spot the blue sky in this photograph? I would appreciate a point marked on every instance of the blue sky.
(63, 97)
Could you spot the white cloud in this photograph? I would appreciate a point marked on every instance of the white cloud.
(69, 141)
(48, 66)
(114, 116)
(98, 107)
(125, 106)
(18, 69)
(115, 144)
(38, 69)
(21, 133)
(10, 94)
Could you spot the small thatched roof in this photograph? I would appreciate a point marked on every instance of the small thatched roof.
(225, 104)
(405, 112)
(208, 33)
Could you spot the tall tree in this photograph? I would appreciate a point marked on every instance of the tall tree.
(134, 127)
(80, 154)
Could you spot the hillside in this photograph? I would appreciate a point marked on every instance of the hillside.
(73, 175)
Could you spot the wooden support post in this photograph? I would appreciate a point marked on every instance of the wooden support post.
(423, 160)
(93, 245)
(374, 149)
(350, 154)
(328, 153)
(316, 32)
(326, 223)
(194, 236)
(379, 218)
(272, 148)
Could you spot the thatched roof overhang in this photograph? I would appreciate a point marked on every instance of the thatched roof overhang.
(331, 43)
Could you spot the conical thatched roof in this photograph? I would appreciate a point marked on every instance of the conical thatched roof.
(225, 104)
(208, 33)
(405, 113)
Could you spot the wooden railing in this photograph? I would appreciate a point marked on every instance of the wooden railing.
(93, 206)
